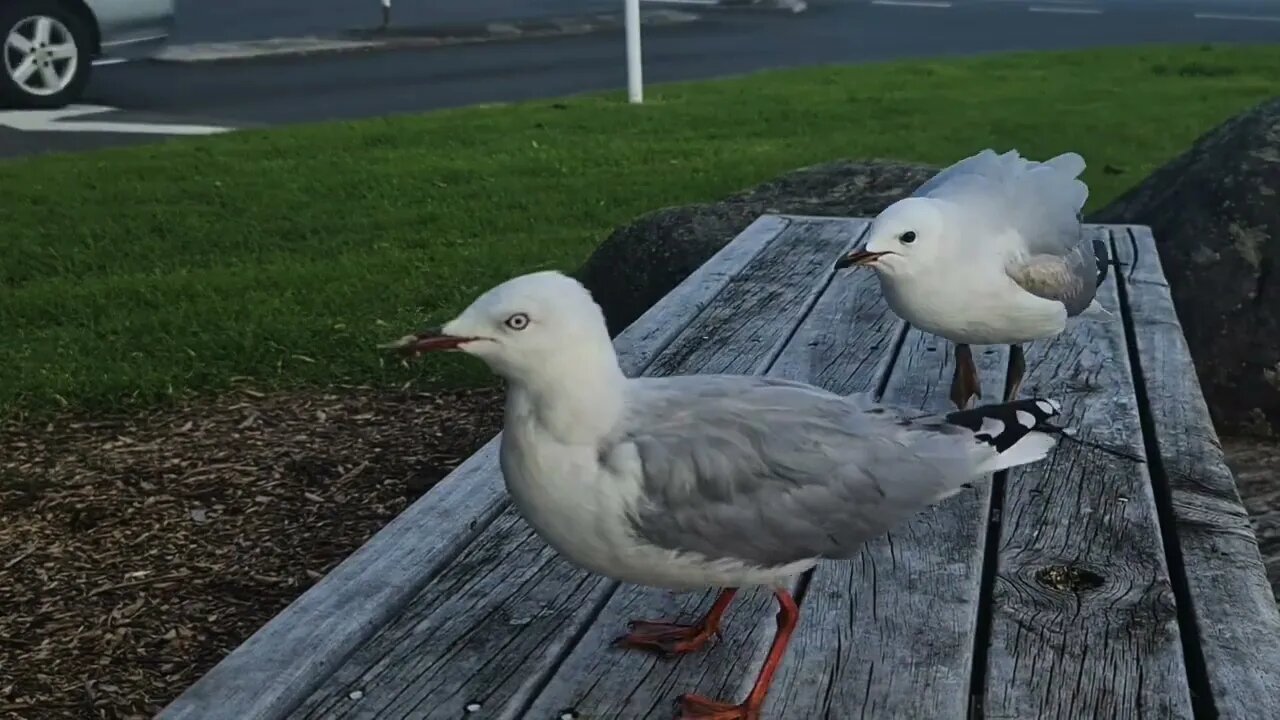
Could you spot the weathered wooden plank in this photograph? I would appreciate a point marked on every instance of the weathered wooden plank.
(1222, 581)
(1083, 619)
(907, 606)
(455, 645)
(280, 664)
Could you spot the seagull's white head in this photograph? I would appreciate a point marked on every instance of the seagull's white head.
(527, 326)
(908, 237)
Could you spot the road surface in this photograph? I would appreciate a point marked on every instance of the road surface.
(229, 20)
(365, 84)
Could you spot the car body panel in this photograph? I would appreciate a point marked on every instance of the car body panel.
(132, 28)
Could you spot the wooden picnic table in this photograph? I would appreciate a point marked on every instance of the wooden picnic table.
(1118, 579)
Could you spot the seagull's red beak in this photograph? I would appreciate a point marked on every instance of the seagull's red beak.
(430, 340)
(859, 257)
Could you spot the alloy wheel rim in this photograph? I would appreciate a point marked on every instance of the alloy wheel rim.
(40, 55)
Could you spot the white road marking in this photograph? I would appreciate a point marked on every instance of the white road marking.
(1238, 18)
(1064, 10)
(51, 121)
(205, 52)
(913, 3)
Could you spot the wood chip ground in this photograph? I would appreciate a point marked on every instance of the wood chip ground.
(136, 551)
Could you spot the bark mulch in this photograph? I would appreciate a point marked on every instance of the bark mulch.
(135, 552)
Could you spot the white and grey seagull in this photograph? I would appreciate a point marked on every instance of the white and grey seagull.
(989, 251)
(696, 481)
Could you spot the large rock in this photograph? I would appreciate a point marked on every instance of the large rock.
(1215, 213)
(640, 263)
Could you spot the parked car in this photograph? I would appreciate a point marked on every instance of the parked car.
(50, 45)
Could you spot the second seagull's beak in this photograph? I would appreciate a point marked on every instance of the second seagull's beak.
(858, 257)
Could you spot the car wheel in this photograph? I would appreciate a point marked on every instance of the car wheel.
(46, 51)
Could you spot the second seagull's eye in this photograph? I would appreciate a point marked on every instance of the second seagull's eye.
(908, 237)
(519, 321)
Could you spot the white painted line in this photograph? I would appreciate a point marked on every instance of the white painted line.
(51, 121)
(103, 62)
(202, 52)
(1239, 18)
(1064, 10)
(913, 3)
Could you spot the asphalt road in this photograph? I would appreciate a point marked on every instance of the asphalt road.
(363, 84)
(227, 20)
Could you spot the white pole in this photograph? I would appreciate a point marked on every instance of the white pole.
(386, 13)
(635, 82)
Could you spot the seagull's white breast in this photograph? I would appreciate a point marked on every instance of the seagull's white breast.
(560, 491)
(973, 309)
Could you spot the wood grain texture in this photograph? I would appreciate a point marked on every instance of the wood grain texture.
(1237, 627)
(891, 633)
(1105, 644)
(286, 659)
(488, 631)
(599, 683)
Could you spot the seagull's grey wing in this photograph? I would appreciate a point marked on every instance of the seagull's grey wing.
(1045, 201)
(1041, 201)
(982, 164)
(769, 472)
(1072, 279)
(1051, 256)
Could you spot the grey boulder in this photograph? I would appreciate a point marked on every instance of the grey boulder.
(640, 263)
(1215, 214)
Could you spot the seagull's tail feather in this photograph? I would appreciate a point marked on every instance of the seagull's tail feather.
(1033, 447)
(1012, 430)
(1102, 257)
(1059, 177)
(1094, 312)
(1069, 162)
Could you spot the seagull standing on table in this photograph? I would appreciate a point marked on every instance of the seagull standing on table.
(693, 481)
(989, 251)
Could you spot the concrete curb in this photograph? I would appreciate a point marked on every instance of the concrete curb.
(396, 37)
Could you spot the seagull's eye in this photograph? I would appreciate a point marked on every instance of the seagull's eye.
(908, 236)
(519, 321)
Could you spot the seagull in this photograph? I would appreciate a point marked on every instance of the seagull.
(696, 481)
(989, 251)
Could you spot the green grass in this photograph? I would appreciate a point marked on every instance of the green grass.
(280, 258)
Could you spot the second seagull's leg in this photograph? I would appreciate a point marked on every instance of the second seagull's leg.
(965, 383)
(1017, 368)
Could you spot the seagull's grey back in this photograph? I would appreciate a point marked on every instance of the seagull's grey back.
(1042, 202)
(770, 472)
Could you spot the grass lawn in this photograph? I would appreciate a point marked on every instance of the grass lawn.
(280, 258)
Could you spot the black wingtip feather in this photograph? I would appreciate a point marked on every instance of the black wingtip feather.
(1013, 420)
(1103, 259)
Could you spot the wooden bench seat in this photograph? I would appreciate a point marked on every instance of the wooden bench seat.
(1118, 579)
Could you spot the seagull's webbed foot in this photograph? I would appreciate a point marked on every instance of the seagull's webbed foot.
(671, 639)
(696, 707)
(965, 385)
(668, 639)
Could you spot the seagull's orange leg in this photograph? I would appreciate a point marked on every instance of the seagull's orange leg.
(964, 383)
(1017, 368)
(676, 639)
(695, 707)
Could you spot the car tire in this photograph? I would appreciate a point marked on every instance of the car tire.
(46, 53)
